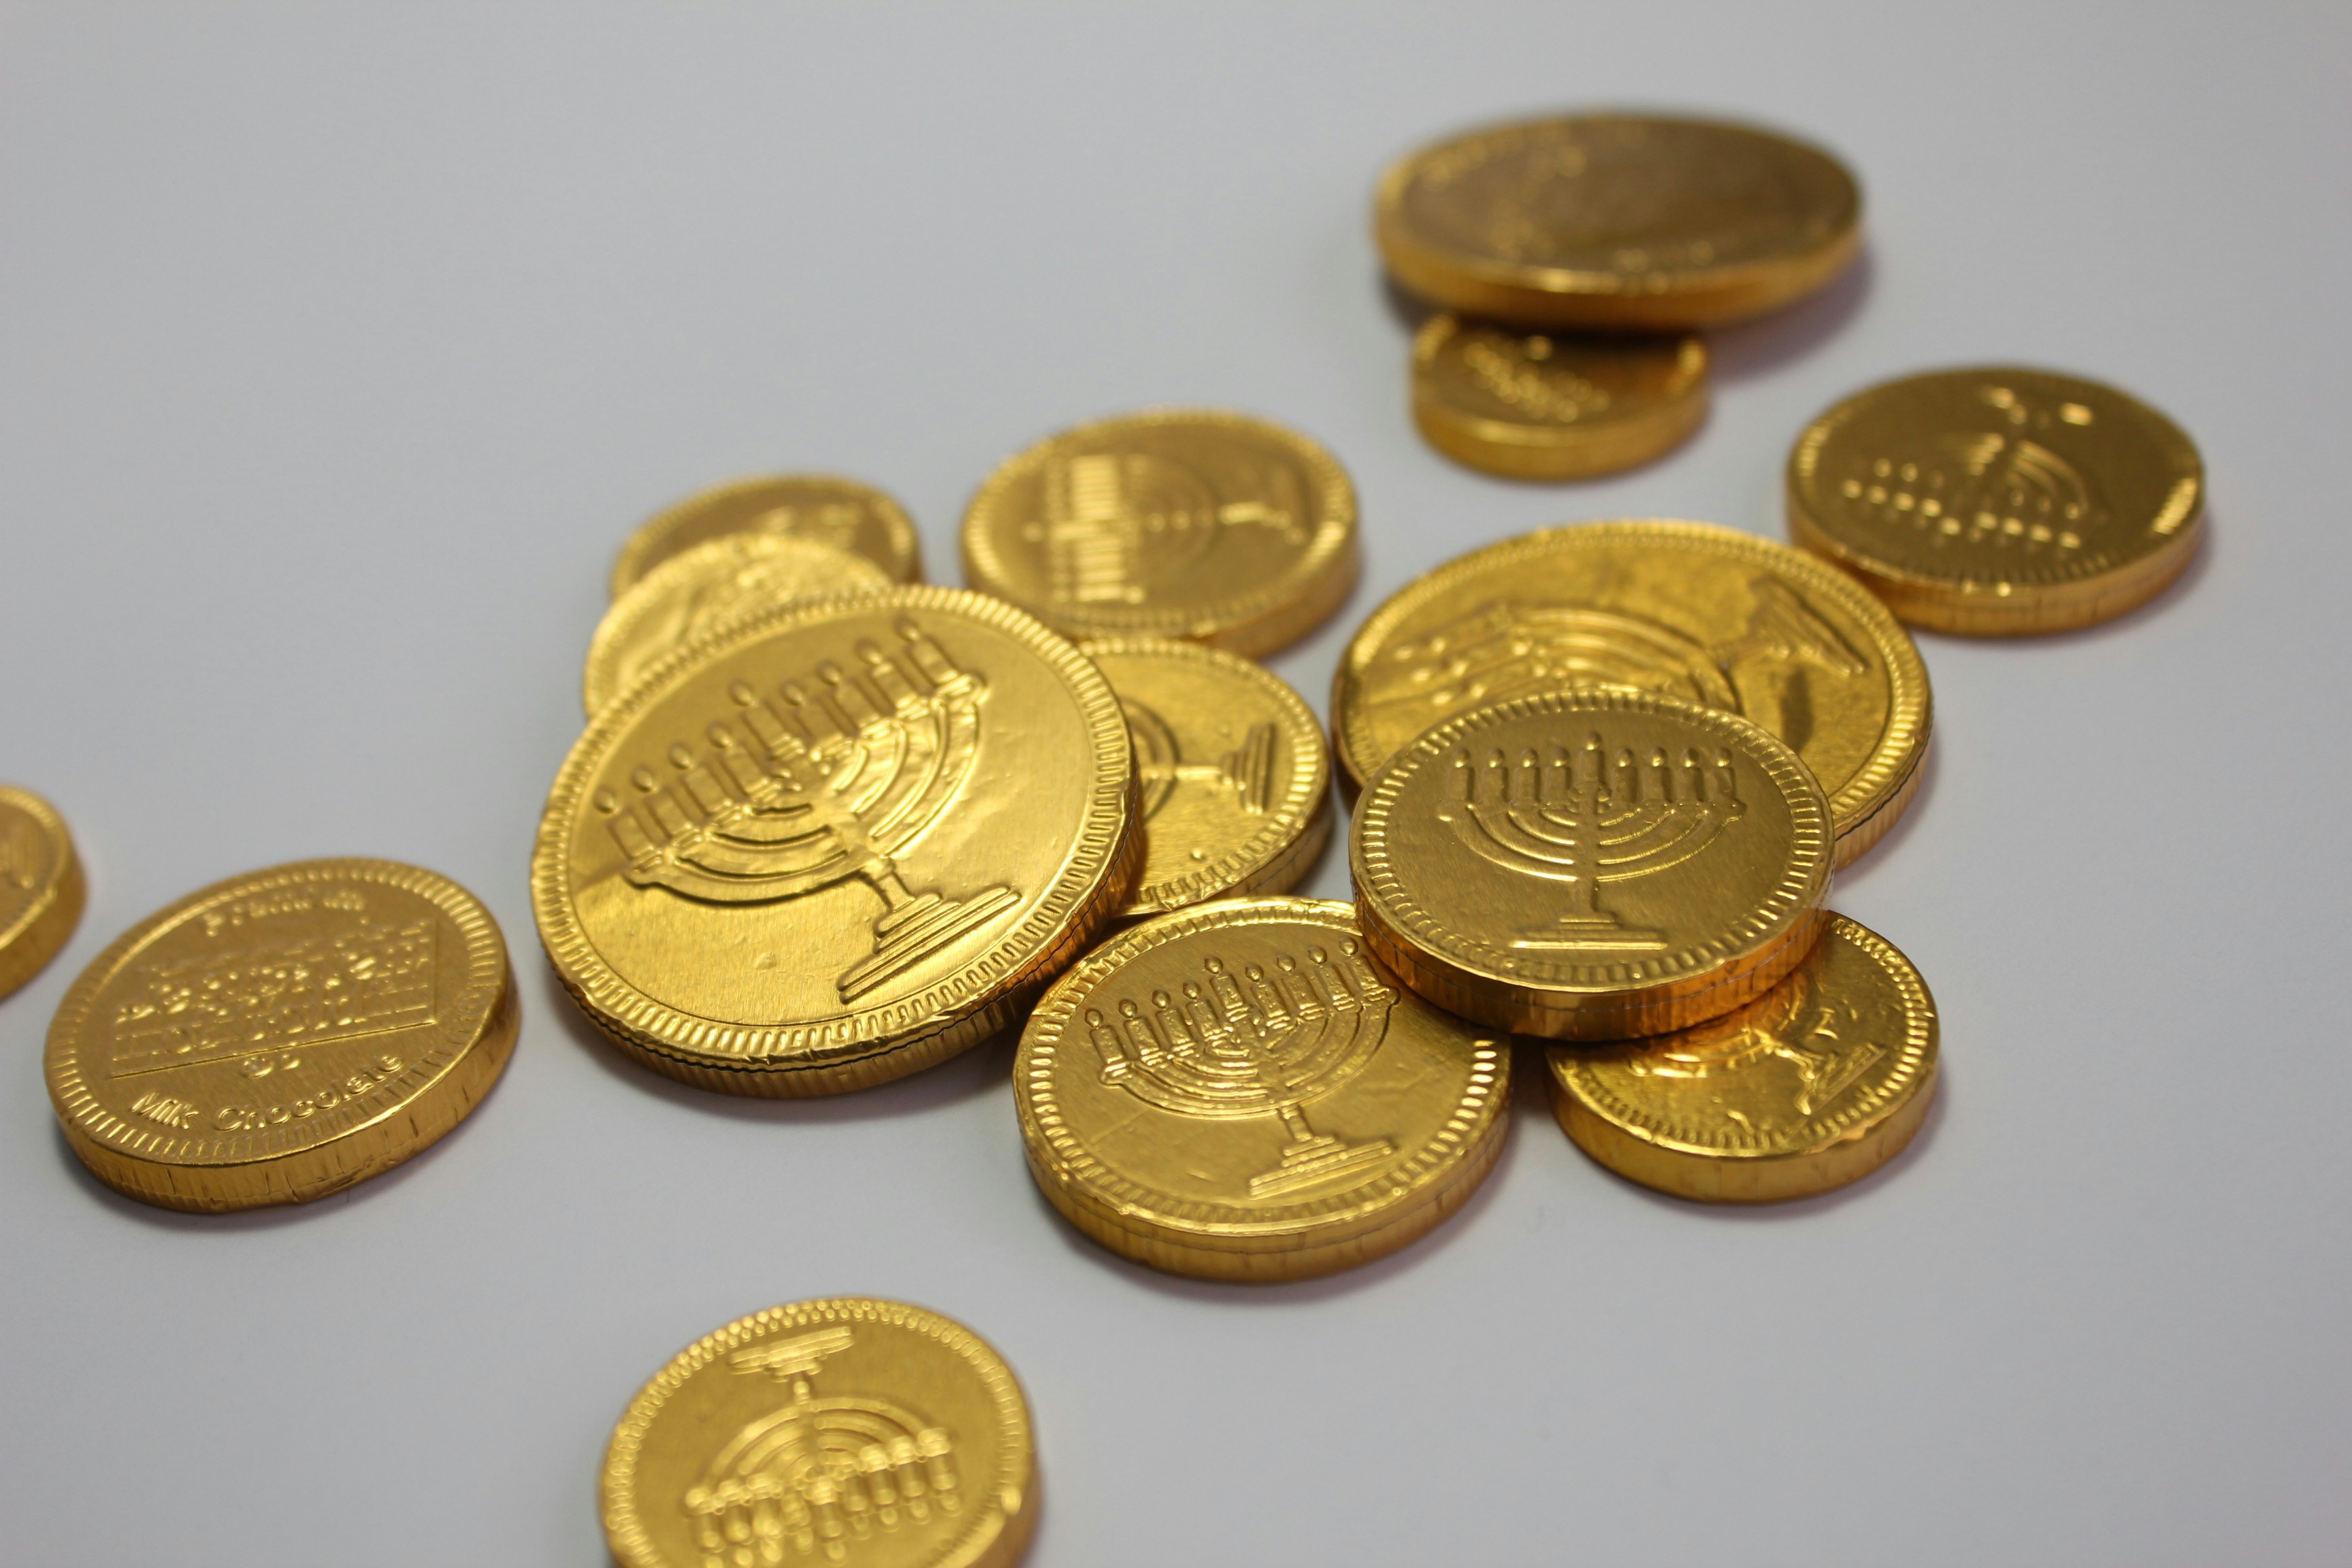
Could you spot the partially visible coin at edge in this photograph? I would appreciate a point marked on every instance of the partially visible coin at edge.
(836, 511)
(1548, 406)
(41, 887)
(282, 1035)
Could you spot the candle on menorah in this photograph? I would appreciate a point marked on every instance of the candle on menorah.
(1269, 1040)
(1574, 819)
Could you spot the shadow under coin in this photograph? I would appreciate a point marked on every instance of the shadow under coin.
(1892, 843)
(1763, 345)
(982, 1070)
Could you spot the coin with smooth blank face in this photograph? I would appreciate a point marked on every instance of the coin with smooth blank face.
(1235, 1091)
(1816, 1083)
(1552, 405)
(41, 887)
(831, 510)
(851, 1430)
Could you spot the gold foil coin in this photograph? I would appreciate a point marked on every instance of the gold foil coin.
(282, 1035)
(1234, 775)
(697, 592)
(847, 1431)
(1209, 526)
(1542, 406)
(1706, 613)
(837, 843)
(1616, 220)
(2000, 502)
(41, 887)
(1235, 1091)
(836, 511)
(1591, 865)
(1816, 1083)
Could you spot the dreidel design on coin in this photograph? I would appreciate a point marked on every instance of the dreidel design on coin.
(1270, 1039)
(1159, 766)
(1577, 820)
(818, 786)
(817, 1478)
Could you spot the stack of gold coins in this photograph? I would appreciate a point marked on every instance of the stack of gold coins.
(1548, 247)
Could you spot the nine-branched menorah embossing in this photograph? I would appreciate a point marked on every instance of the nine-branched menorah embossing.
(817, 784)
(1575, 819)
(1266, 1041)
(820, 1475)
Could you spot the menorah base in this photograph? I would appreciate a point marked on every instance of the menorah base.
(1314, 1160)
(917, 929)
(1588, 931)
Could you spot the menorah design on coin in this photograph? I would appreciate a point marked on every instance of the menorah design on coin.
(1267, 1041)
(820, 1475)
(817, 784)
(1247, 771)
(1577, 820)
(1106, 512)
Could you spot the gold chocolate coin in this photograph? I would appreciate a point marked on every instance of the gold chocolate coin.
(1709, 614)
(694, 592)
(1231, 765)
(1233, 1091)
(1179, 523)
(836, 511)
(41, 887)
(837, 843)
(1591, 865)
(2000, 502)
(851, 1430)
(282, 1035)
(1541, 405)
(1616, 220)
(1816, 1083)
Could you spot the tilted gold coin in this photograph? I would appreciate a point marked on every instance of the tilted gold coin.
(1541, 405)
(1617, 220)
(1235, 1091)
(695, 592)
(836, 511)
(2000, 502)
(1176, 523)
(282, 1035)
(41, 887)
(853, 1431)
(1816, 1083)
(1591, 865)
(837, 843)
(1233, 774)
(1709, 614)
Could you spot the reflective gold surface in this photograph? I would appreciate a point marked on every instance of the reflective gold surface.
(837, 843)
(831, 510)
(1999, 501)
(280, 1036)
(1816, 1083)
(1593, 864)
(1233, 774)
(1543, 406)
(1614, 220)
(1235, 1091)
(41, 887)
(852, 1431)
(1190, 524)
(701, 589)
(1707, 614)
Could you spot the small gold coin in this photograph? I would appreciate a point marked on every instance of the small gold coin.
(1179, 523)
(1707, 614)
(853, 1431)
(1539, 406)
(1235, 777)
(41, 887)
(697, 592)
(1233, 1091)
(840, 512)
(282, 1035)
(1613, 220)
(1816, 1083)
(1591, 865)
(2000, 502)
(837, 843)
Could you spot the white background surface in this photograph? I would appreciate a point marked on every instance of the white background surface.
(340, 347)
